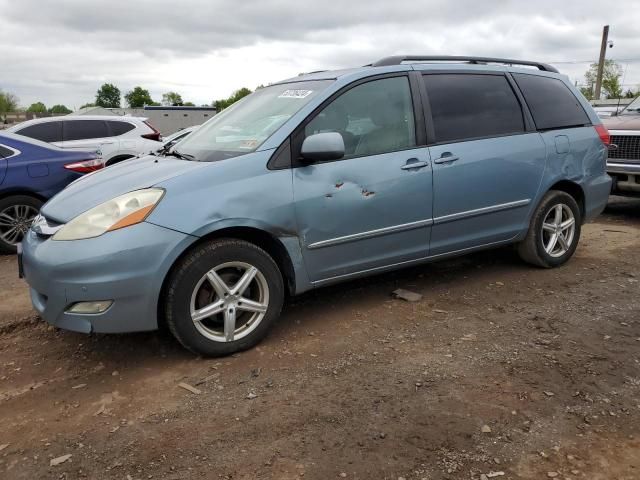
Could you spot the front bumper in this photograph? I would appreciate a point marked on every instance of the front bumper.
(626, 176)
(127, 266)
(622, 167)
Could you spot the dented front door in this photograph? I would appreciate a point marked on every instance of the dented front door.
(363, 213)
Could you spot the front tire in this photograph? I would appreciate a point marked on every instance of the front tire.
(223, 297)
(16, 214)
(554, 231)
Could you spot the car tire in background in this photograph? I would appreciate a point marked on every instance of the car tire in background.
(554, 231)
(223, 296)
(16, 214)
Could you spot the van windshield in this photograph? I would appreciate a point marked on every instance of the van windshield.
(633, 108)
(244, 126)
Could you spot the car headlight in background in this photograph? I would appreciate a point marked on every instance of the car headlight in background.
(123, 211)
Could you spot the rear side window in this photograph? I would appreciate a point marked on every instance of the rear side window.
(5, 152)
(84, 129)
(45, 132)
(551, 102)
(466, 106)
(119, 128)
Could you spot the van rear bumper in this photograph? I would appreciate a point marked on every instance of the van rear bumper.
(596, 194)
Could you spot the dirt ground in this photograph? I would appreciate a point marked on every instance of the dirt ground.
(501, 371)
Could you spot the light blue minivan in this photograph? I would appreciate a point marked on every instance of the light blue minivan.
(318, 179)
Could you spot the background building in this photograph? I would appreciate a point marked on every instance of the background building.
(166, 119)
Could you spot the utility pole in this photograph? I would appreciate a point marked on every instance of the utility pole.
(603, 51)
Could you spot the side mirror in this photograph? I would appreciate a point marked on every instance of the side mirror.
(322, 147)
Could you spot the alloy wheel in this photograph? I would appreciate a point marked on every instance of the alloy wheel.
(15, 221)
(229, 301)
(558, 230)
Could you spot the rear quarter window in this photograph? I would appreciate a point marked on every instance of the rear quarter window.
(5, 152)
(552, 104)
(119, 128)
(45, 132)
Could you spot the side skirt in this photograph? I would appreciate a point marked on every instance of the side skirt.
(397, 266)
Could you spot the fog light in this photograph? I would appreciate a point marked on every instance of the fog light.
(90, 307)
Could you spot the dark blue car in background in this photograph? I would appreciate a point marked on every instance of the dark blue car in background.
(31, 172)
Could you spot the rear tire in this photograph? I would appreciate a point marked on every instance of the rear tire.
(16, 214)
(554, 231)
(210, 310)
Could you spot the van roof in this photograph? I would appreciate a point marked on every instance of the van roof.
(408, 60)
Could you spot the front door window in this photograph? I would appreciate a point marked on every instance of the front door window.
(373, 118)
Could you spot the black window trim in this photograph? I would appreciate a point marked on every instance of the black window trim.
(529, 126)
(293, 142)
(550, 129)
(14, 151)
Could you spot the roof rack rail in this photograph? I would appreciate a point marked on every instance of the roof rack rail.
(398, 59)
(310, 73)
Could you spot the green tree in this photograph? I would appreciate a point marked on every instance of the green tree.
(612, 88)
(138, 98)
(235, 96)
(587, 92)
(37, 107)
(8, 102)
(108, 96)
(611, 74)
(189, 104)
(87, 105)
(172, 99)
(59, 110)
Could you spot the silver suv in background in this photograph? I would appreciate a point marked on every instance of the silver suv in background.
(623, 164)
(170, 140)
(115, 138)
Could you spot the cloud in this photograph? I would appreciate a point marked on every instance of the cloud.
(60, 52)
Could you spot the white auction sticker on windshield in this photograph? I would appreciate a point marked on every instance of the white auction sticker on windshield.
(295, 93)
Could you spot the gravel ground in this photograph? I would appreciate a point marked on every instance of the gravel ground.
(500, 371)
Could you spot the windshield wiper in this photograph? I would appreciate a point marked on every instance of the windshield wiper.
(177, 154)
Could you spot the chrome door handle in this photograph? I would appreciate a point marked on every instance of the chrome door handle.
(414, 163)
(446, 159)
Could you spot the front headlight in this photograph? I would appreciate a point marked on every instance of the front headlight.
(120, 212)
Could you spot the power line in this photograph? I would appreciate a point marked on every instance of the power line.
(620, 60)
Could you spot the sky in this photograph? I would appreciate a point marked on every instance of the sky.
(62, 51)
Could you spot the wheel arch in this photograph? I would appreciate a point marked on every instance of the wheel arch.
(21, 191)
(575, 190)
(265, 240)
(269, 242)
(118, 158)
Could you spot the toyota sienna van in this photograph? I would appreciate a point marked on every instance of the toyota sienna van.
(316, 180)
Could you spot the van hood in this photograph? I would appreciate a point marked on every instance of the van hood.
(622, 122)
(103, 185)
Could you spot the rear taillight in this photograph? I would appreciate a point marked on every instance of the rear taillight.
(151, 136)
(86, 166)
(603, 133)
